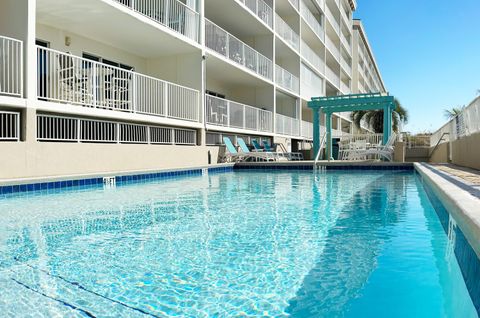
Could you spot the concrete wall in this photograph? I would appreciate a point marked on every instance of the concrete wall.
(466, 151)
(41, 159)
(440, 155)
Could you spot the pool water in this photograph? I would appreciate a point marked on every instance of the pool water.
(243, 244)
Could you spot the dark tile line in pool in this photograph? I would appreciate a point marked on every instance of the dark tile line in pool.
(466, 257)
(332, 167)
(54, 186)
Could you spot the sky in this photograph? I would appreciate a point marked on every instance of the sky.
(428, 52)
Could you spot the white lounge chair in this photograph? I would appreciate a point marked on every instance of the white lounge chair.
(385, 151)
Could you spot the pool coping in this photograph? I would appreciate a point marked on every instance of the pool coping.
(461, 200)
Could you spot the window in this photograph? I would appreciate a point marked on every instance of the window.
(100, 59)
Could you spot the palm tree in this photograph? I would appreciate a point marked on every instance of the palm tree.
(375, 117)
(453, 112)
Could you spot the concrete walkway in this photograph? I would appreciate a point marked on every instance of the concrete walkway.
(469, 175)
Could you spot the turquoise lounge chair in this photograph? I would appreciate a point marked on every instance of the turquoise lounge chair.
(258, 155)
(288, 155)
(266, 149)
(234, 155)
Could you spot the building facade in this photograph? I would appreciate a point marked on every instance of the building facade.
(97, 86)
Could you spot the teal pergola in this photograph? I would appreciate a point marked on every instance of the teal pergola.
(349, 103)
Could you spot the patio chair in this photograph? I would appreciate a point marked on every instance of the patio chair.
(234, 156)
(385, 151)
(268, 156)
(276, 155)
(354, 150)
(294, 156)
(74, 81)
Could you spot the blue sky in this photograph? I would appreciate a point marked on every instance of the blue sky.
(428, 52)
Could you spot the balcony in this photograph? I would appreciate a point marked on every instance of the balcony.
(316, 61)
(295, 4)
(11, 67)
(170, 13)
(332, 47)
(287, 125)
(226, 113)
(65, 78)
(346, 19)
(287, 80)
(260, 9)
(222, 42)
(332, 20)
(286, 32)
(332, 76)
(346, 66)
(345, 88)
(312, 21)
(307, 130)
(346, 44)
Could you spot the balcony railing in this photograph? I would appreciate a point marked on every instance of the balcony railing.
(307, 129)
(346, 19)
(170, 13)
(312, 21)
(295, 4)
(332, 47)
(287, 125)
(11, 67)
(260, 9)
(332, 19)
(346, 44)
(286, 80)
(226, 113)
(312, 57)
(345, 88)
(9, 126)
(224, 43)
(286, 32)
(346, 66)
(69, 79)
(332, 76)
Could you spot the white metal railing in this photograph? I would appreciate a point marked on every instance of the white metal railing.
(346, 66)
(307, 129)
(260, 9)
(286, 80)
(224, 43)
(332, 47)
(312, 21)
(170, 13)
(70, 129)
(286, 32)
(69, 79)
(418, 141)
(295, 4)
(332, 76)
(223, 112)
(287, 125)
(345, 88)
(315, 60)
(346, 44)
(332, 19)
(9, 126)
(11, 67)
(370, 139)
(462, 125)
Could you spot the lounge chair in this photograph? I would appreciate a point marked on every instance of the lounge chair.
(288, 155)
(234, 156)
(385, 151)
(257, 154)
(258, 148)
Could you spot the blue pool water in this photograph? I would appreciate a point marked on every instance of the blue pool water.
(242, 244)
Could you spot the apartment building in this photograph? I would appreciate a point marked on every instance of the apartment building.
(96, 86)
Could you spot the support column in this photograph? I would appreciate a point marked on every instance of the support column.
(316, 131)
(328, 124)
(387, 123)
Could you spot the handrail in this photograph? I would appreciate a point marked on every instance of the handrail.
(438, 143)
(322, 144)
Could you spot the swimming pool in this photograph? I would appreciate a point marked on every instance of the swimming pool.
(244, 243)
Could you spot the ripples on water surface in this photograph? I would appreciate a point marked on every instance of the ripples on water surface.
(240, 244)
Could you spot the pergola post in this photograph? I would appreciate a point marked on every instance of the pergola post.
(316, 131)
(328, 126)
(387, 123)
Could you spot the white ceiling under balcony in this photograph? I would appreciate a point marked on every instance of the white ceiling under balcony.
(109, 22)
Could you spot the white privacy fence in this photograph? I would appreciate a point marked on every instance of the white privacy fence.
(286, 80)
(9, 126)
(69, 79)
(69, 129)
(260, 9)
(286, 32)
(223, 112)
(170, 13)
(287, 125)
(224, 43)
(312, 20)
(11, 67)
(465, 124)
